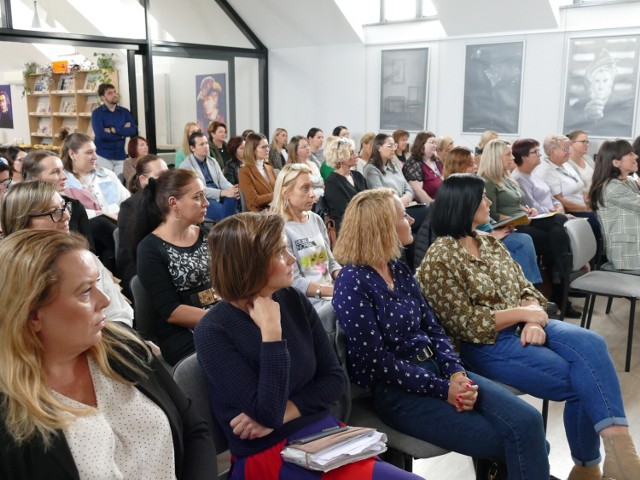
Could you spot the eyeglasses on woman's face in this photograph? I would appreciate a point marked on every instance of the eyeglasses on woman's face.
(390, 145)
(57, 214)
(535, 152)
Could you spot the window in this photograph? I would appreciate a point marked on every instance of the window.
(398, 10)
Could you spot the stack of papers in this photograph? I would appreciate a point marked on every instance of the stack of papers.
(334, 450)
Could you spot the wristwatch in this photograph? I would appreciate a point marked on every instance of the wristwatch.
(318, 294)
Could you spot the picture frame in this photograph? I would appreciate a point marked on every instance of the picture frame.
(493, 87)
(403, 89)
(601, 88)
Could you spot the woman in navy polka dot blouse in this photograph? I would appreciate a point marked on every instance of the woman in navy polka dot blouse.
(397, 348)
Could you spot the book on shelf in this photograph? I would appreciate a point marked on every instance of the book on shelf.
(43, 106)
(91, 106)
(44, 127)
(91, 82)
(67, 83)
(68, 106)
(41, 85)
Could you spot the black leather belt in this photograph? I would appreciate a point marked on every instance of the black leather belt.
(424, 354)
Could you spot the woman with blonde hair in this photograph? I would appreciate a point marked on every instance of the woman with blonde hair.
(366, 148)
(37, 205)
(184, 150)
(397, 348)
(344, 183)
(299, 151)
(308, 241)
(278, 148)
(507, 200)
(444, 145)
(67, 374)
(256, 177)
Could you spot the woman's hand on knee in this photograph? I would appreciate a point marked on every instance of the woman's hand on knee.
(535, 314)
(247, 428)
(533, 334)
(462, 393)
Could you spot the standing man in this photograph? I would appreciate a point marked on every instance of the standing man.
(222, 196)
(315, 137)
(112, 124)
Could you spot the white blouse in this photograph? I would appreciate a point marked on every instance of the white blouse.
(128, 438)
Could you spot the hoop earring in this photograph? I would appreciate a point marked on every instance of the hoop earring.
(177, 217)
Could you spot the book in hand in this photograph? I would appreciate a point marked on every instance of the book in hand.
(515, 221)
(335, 447)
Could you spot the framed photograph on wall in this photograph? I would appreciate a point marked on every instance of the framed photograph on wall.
(492, 87)
(403, 89)
(211, 99)
(602, 86)
(6, 111)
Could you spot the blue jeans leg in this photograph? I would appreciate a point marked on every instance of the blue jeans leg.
(501, 426)
(573, 366)
(522, 250)
(223, 209)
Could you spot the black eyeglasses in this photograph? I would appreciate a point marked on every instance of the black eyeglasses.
(57, 214)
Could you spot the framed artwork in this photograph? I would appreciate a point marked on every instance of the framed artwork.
(403, 89)
(492, 87)
(6, 112)
(211, 99)
(602, 85)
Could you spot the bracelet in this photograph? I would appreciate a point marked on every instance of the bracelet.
(318, 294)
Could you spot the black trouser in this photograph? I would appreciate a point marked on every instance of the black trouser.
(102, 231)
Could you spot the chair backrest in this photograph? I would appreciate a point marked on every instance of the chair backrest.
(582, 241)
(243, 202)
(342, 408)
(145, 315)
(192, 381)
(116, 239)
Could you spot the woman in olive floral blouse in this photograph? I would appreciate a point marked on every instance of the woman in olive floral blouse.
(498, 321)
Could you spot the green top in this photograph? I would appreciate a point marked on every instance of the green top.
(507, 200)
(180, 156)
(325, 170)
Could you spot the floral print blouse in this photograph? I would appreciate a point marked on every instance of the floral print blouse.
(466, 291)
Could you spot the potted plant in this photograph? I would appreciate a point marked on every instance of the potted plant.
(29, 69)
(105, 63)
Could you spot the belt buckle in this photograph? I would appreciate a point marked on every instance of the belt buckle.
(425, 354)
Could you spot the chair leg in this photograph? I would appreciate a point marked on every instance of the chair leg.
(592, 305)
(609, 304)
(632, 314)
(545, 414)
(408, 463)
(585, 309)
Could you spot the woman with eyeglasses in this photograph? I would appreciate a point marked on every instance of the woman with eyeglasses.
(579, 158)
(37, 205)
(315, 268)
(5, 175)
(424, 169)
(497, 319)
(256, 177)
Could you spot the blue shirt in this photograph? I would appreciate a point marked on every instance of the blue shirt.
(111, 145)
(386, 329)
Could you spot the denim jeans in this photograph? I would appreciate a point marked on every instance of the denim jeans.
(573, 366)
(224, 208)
(500, 427)
(522, 250)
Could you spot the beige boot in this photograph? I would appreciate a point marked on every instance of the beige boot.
(621, 461)
(579, 472)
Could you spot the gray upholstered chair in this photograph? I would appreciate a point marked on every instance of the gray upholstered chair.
(599, 282)
(192, 381)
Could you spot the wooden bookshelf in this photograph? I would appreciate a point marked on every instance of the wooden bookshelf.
(67, 100)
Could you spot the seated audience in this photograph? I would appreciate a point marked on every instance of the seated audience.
(615, 197)
(314, 269)
(299, 152)
(579, 158)
(16, 155)
(397, 348)
(315, 139)
(216, 134)
(277, 149)
(47, 166)
(401, 139)
(37, 205)
(563, 180)
(520, 245)
(507, 199)
(235, 148)
(98, 188)
(266, 356)
(257, 177)
(149, 166)
(81, 397)
(444, 145)
(183, 151)
(485, 138)
(343, 184)
(366, 147)
(498, 320)
(5, 176)
(137, 148)
(424, 169)
(340, 131)
(172, 258)
(325, 169)
(221, 195)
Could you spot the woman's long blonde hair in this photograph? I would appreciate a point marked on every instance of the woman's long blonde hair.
(185, 137)
(491, 167)
(22, 200)
(29, 277)
(286, 179)
(368, 232)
